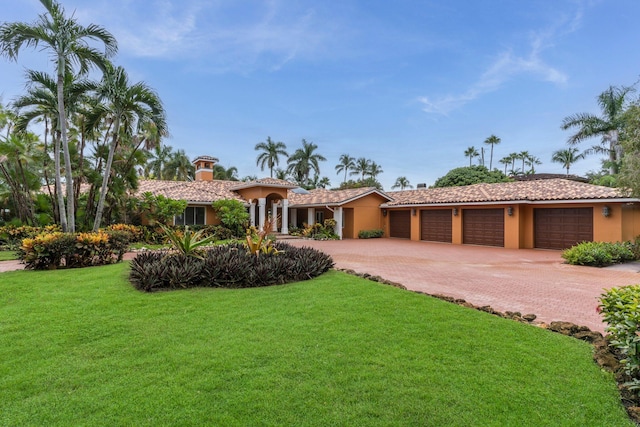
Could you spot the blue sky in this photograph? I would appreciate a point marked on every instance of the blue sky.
(407, 84)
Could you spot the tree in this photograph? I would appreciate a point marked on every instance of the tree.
(179, 167)
(492, 140)
(271, 152)
(471, 152)
(532, 161)
(566, 157)
(158, 161)
(67, 42)
(160, 209)
(523, 155)
(232, 214)
(225, 174)
(470, 175)
(506, 161)
(128, 106)
(375, 170)
(361, 167)
(613, 103)
(347, 163)
(304, 161)
(402, 182)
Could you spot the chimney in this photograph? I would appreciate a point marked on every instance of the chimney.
(422, 185)
(204, 167)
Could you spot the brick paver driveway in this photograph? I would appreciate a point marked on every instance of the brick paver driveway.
(524, 280)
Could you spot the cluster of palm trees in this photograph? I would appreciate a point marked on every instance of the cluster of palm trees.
(529, 161)
(301, 164)
(114, 119)
(362, 167)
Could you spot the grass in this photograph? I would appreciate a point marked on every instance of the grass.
(8, 255)
(83, 347)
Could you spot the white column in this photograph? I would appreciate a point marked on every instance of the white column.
(311, 216)
(274, 216)
(262, 204)
(337, 215)
(285, 216)
(294, 217)
(252, 213)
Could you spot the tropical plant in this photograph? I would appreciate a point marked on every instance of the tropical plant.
(128, 106)
(225, 174)
(613, 103)
(471, 152)
(158, 160)
(532, 162)
(232, 214)
(375, 170)
(402, 182)
(362, 167)
(160, 209)
(67, 42)
(346, 164)
(270, 155)
(470, 175)
(260, 241)
(179, 167)
(506, 161)
(304, 161)
(566, 157)
(188, 242)
(492, 140)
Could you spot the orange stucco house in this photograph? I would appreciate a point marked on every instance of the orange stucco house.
(546, 214)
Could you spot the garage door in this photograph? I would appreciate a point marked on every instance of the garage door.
(435, 225)
(561, 228)
(400, 224)
(483, 227)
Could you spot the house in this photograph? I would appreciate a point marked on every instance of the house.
(546, 213)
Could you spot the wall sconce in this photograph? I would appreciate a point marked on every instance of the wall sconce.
(606, 212)
(455, 211)
(384, 212)
(413, 212)
(510, 211)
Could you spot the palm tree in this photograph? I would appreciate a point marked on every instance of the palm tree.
(129, 107)
(271, 152)
(158, 161)
(361, 167)
(492, 140)
(532, 161)
(67, 41)
(613, 103)
(506, 161)
(375, 170)
(523, 155)
(303, 161)
(471, 152)
(513, 157)
(347, 163)
(402, 182)
(567, 157)
(225, 174)
(179, 167)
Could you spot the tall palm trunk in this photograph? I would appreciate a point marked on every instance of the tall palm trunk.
(58, 179)
(107, 174)
(62, 122)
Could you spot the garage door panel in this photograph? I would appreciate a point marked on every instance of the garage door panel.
(561, 228)
(436, 225)
(483, 227)
(400, 224)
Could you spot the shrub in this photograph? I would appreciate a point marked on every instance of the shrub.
(227, 266)
(370, 234)
(598, 254)
(135, 231)
(48, 251)
(187, 242)
(232, 214)
(12, 236)
(620, 308)
(324, 231)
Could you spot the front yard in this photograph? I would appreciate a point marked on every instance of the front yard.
(82, 347)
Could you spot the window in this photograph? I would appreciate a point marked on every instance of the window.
(319, 217)
(193, 215)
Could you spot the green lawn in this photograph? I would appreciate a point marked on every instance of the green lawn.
(83, 347)
(8, 255)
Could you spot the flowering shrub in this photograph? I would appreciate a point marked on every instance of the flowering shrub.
(620, 308)
(324, 231)
(12, 236)
(48, 251)
(134, 230)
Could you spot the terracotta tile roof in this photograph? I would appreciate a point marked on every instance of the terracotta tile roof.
(191, 191)
(331, 197)
(208, 158)
(265, 182)
(541, 190)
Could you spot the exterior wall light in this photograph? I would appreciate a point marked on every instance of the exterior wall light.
(455, 211)
(413, 211)
(606, 212)
(384, 212)
(510, 211)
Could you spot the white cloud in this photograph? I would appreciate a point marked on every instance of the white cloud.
(508, 65)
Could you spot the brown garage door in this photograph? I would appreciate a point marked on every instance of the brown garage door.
(400, 224)
(483, 227)
(435, 225)
(561, 228)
